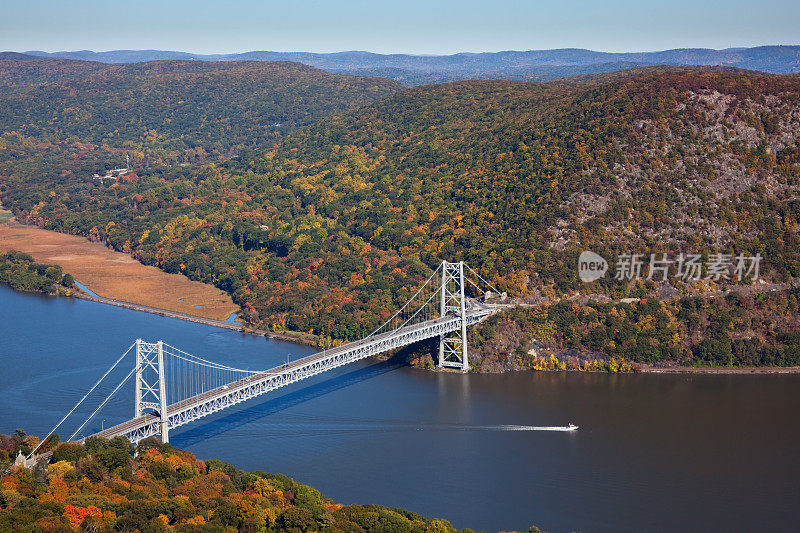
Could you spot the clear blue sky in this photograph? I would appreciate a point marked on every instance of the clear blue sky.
(403, 26)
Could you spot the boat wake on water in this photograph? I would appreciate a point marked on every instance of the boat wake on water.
(326, 424)
(511, 427)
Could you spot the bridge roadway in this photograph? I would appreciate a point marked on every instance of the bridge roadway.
(244, 389)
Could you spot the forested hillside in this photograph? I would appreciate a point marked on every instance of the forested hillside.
(168, 112)
(20, 70)
(330, 227)
(518, 178)
(740, 329)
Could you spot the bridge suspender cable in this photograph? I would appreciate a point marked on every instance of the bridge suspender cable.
(81, 400)
(480, 278)
(213, 366)
(421, 307)
(408, 302)
(204, 362)
(104, 402)
(399, 311)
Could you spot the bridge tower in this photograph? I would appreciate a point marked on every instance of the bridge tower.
(151, 391)
(453, 346)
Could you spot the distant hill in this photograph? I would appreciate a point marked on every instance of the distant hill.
(21, 69)
(533, 65)
(16, 55)
(539, 73)
(173, 110)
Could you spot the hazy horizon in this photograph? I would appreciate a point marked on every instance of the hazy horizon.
(413, 27)
(185, 51)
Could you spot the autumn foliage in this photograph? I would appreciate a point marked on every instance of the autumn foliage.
(76, 515)
(329, 227)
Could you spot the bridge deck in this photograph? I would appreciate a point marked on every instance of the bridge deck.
(235, 392)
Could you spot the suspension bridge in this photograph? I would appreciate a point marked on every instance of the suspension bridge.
(173, 388)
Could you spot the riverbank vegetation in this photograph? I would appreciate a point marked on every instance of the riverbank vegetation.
(738, 329)
(22, 273)
(100, 487)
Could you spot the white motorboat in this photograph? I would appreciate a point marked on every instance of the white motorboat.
(570, 427)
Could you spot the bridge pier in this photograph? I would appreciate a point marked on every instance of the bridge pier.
(453, 345)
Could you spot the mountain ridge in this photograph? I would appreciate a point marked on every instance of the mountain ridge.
(535, 65)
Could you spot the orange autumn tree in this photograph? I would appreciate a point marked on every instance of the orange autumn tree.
(76, 515)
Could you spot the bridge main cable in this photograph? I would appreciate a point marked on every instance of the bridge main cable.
(121, 357)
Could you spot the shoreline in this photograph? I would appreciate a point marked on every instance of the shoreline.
(297, 338)
(310, 340)
(306, 339)
(203, 302)
(746, 370)
(750, 370)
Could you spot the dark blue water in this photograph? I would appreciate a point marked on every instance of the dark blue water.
(653, 453)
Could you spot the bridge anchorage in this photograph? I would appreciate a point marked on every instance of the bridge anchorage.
(173, 388)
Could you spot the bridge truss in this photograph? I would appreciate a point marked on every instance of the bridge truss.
(173, 388)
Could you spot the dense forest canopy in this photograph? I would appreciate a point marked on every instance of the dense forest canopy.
(328, 227)
(173, 111)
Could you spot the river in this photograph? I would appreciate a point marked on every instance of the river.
(653, 452)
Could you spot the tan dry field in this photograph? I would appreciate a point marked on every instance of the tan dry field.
(117, 275)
